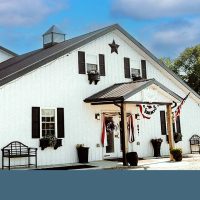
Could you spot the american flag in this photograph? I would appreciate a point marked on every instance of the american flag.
(178, 110)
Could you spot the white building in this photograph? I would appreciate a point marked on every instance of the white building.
(47, 91)
(6, 54)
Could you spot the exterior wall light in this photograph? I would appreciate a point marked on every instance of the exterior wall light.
(137, 116)
(97, 116)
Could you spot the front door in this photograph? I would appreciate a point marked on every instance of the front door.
(113, 147)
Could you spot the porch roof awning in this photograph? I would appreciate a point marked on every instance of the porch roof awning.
(122, 91)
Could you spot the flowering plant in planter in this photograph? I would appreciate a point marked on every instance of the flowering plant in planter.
(50, 140)
(159, 140)
(94, 76)
(79, 145)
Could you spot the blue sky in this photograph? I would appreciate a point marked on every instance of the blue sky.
(165, 27)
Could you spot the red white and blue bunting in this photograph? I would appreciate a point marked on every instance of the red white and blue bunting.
(147, 110)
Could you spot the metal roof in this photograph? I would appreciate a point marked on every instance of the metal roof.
(53, 29)
(122, 91)
(16, 67)
(23, 64)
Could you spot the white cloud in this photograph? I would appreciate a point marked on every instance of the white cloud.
(25, 12)
(154, 9)
(171, 39)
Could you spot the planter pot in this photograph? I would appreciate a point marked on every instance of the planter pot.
(94, 77)
(177, 157)
(156, 146)
(132, 158)
(44, 143)
(58, 143)
(83, 154)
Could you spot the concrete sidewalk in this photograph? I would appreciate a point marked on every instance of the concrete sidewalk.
(189, 162)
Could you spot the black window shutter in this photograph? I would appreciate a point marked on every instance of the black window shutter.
(81, 62)
(102, 65)
(35, 122)
(144, 69)
(163, 123)
(178, 125)
(127, 68)
(60, 123)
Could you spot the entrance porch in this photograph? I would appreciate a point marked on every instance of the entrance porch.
(128, 99)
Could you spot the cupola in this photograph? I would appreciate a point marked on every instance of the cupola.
(53, 36)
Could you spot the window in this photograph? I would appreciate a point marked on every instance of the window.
(48, 122)
(91, 68)
(135, 73)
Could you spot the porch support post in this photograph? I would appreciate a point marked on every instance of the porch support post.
(170, 130)
(124, 133)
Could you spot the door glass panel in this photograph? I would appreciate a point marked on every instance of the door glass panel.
(110, 134)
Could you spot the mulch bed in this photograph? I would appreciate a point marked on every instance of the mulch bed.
(68, 167)
(118, 159)
(126, 167)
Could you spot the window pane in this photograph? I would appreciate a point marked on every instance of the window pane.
(52, 119)
(43, 125)
(51, 126)
(43, 133)
(135, 72)
(48, 112)
(48, 122)
(47, 125)
(53, 132)
(48, 119)
(91, 67)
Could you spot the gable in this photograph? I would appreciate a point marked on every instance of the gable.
(152, 94)
(136, 52)
(6, 54)
(156, 63)
(13, 70)
(114, 62)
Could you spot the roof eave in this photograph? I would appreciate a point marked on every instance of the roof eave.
(155, 59)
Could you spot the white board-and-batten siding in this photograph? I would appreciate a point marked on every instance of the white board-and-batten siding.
(58, 84)
(4, 56)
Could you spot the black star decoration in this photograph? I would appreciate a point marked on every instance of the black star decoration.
(114, 47)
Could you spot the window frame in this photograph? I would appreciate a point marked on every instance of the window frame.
(55, 111)
(132, 68)
(88, 72)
